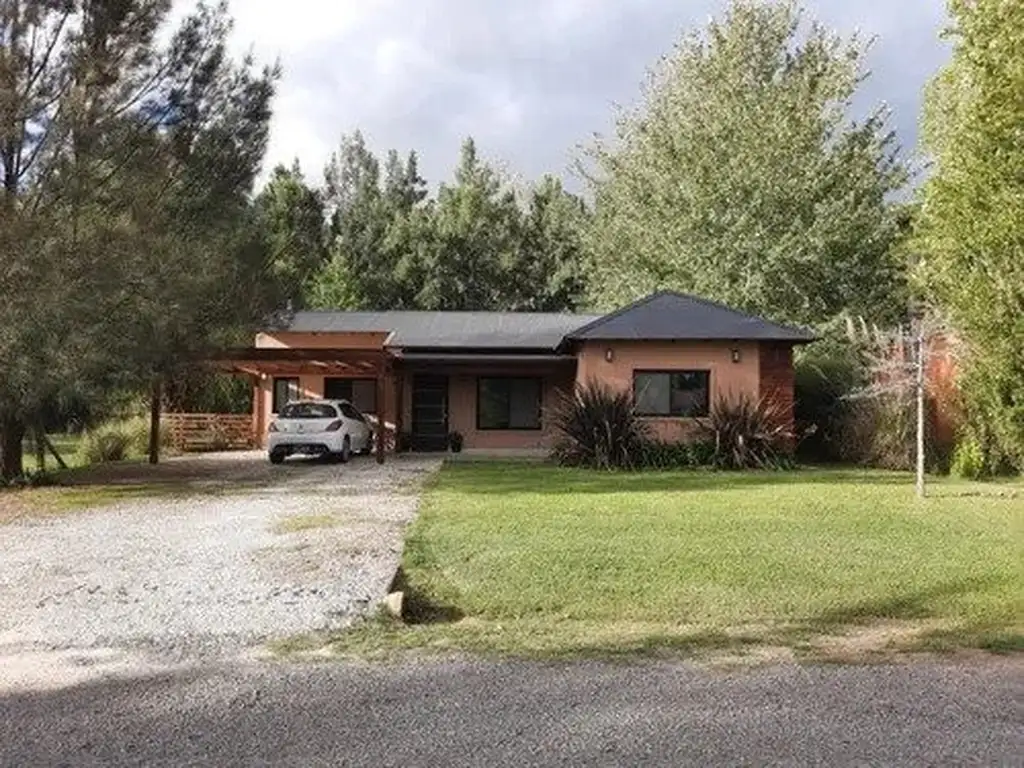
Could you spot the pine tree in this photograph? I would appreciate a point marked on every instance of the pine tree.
(293, 218)
(125, 167)
(476, 231)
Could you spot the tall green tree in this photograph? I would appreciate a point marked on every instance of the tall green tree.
(476, 233)
(294, 221)
(479, 244)
(72, 76)
(550, 274)
(742, 177)
(366, 205)
(126, 167)
(971, 231)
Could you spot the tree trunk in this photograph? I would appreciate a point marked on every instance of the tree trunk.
(155, 402)
(53, 449)
(12, 433)
(38, 440)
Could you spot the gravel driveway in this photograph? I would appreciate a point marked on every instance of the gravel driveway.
(243, 552)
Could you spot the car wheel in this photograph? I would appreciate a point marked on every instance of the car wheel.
(276, 457)
(346, 450)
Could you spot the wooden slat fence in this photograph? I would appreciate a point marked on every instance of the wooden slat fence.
(209, 431)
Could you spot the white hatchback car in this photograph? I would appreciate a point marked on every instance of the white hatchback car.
(319, 428)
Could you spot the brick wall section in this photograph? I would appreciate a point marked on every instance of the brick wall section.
(777, 378)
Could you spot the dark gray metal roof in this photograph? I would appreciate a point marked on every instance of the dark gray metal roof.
(670, 316)
(448, 330)
(663, 316)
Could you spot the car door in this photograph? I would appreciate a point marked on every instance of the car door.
(359, 426)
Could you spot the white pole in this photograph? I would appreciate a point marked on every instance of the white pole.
(919, 343)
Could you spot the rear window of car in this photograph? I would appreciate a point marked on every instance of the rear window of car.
(308, 411)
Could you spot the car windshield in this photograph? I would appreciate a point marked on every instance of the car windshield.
(308, 411)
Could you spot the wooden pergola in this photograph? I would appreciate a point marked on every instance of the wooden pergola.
(260, 362)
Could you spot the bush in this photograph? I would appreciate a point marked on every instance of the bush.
(994, 406)
(120, 440)
(702, 453)
(455, 442)
(660, 454)
(598, 427)
(882, 433)
(108, 443)
(969, 459)
(825, 374)
(748, 434)
(403, 443)
(138, 430)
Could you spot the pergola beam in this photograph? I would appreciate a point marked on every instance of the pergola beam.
(357, 357)
(274, 361)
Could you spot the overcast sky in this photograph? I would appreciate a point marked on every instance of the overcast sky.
(529, 79)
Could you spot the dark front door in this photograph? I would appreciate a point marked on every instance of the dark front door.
(429, 412)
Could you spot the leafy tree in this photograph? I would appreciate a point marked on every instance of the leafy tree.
(125, 168)
(970, 230)
(741, 176)
(332, 286)
(293, 215)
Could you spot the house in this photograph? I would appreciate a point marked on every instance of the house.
(492, 376)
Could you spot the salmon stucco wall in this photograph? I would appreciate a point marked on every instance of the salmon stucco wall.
(462, 396)
(289, 340)
(311, 387)
(728, 378)
(462, 415)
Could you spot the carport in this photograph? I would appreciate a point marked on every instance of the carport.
(305, 366)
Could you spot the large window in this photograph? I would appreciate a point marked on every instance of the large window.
(362, 393)
(508, 403)
(672, 393)
(285, 390)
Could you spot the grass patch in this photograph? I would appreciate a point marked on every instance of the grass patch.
(539, 561)
(56, 500)
(299, 523)
(68, 446)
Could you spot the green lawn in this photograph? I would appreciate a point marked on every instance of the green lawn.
(67, 446)
(541, 561)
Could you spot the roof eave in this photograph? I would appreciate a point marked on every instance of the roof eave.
(802, 339)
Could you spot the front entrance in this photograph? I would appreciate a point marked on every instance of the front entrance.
(429, 413)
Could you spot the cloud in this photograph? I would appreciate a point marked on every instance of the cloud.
(530, 80)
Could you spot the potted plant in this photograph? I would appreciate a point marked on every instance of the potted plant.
(455, 442)
(404, 442)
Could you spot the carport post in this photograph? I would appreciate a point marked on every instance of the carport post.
(382, 410)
